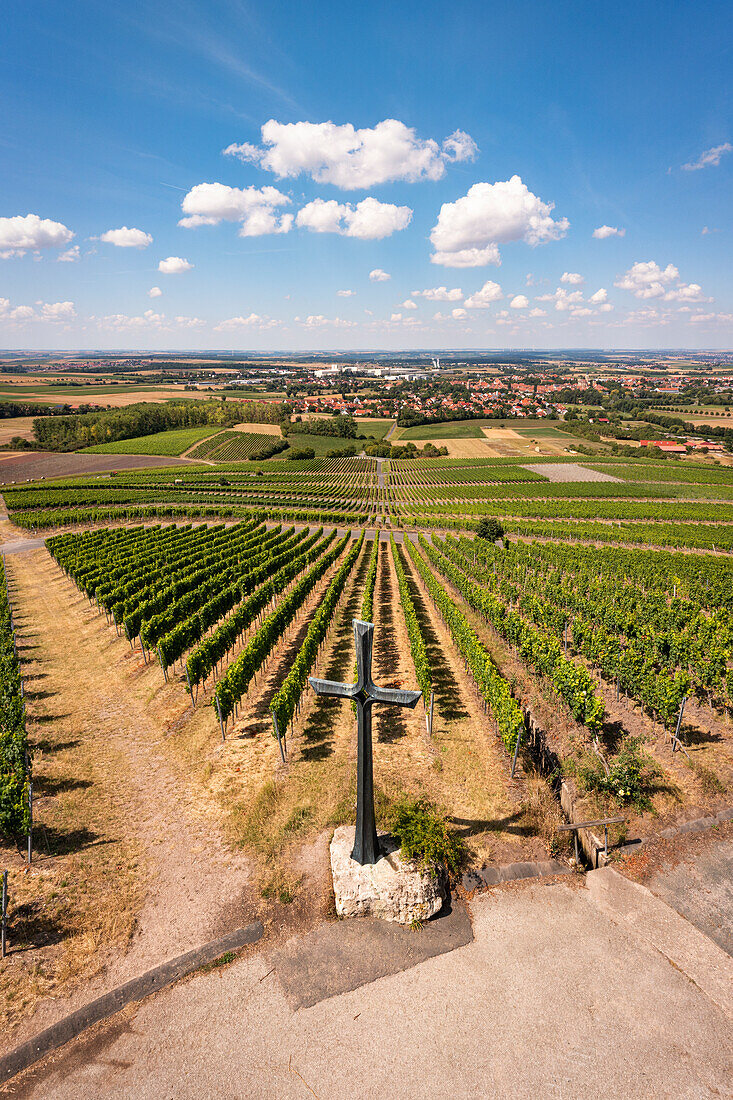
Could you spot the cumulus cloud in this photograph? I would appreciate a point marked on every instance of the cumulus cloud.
(604, 231)
(572, 278)
(440, 294)
(711, 319)
(253, 320)
(351, 158)
(368, 220)
(254, 208)
(189, 322)
(174, 265)
(21, 313)
(55, 312)
(562, 298)
(599, 296)
(537, 312)
(127, 238)
(520, 301)
(317, 320)
(379, 276)
(154, 292)
(482, 299)
(458, 314)
(469, 230)
(346, 293)
(70, 256)
(58, 311)
(646, 279)
(29, 233)
(409, 304)
(710, 158)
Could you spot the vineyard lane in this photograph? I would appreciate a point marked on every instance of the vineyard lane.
(566, 991)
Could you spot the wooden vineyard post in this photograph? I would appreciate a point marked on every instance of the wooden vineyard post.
(676, 743)
(30, 820)
(429, 714)
(188, 684)
(516, 754)
(221, 721)
(279, 738)
(4, 916)
(162, 664)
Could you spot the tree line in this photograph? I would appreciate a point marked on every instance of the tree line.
(70, 433)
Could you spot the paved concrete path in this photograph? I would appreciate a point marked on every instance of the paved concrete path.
(566, 991)
(701, 890)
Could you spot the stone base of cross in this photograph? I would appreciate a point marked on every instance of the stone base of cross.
(365, 693)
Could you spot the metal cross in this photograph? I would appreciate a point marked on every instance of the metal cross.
(365, 692)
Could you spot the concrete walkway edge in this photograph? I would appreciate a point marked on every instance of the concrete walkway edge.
(100, 1009)
(651, 920)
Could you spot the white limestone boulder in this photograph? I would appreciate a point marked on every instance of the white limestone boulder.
(392, 888)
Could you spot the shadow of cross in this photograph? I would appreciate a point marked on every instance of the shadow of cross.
(364, 693)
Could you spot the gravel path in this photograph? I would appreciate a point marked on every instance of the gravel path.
(570, 471)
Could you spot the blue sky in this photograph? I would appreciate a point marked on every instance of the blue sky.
(473, 152)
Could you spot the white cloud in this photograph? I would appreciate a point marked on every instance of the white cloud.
(174, 265)
(379, 276)
(572, 278)
(70, 256)
(581, 311)
(317, 320)
(346, 293)
(351, 158)
(58, 311)
(599, 296)
(189, 322)
(255, 208)
(29, 233)
(562, 298)
(711, 319)
(482, 299)
(605, 308)
(440, 294)
(604, 231)
(368, 220)
(254, 320)
(4, 305)
(127, 238)
(710, 158)
(154, 292)
(458, 314)
(520, 301)
(409, 304)
(21, 313)
(686, 292)
(468, 231)
(648, 280)
(396, 317)
(537, 312)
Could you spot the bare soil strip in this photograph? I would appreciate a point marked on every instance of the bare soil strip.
(128, 869)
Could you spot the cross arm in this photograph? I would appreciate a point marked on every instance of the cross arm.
(394, 696)
(330, 687)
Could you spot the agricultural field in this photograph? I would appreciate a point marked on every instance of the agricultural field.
(165, 622)
(160, 443)
(495, 438)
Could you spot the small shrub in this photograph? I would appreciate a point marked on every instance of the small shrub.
(489, 529)
(630, 775)
(423, 834)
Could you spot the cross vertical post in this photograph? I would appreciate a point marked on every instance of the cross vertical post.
(365, 693)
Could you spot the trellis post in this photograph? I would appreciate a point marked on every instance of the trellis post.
(4, 916)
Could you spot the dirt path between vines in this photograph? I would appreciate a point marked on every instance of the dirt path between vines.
(129, 871)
